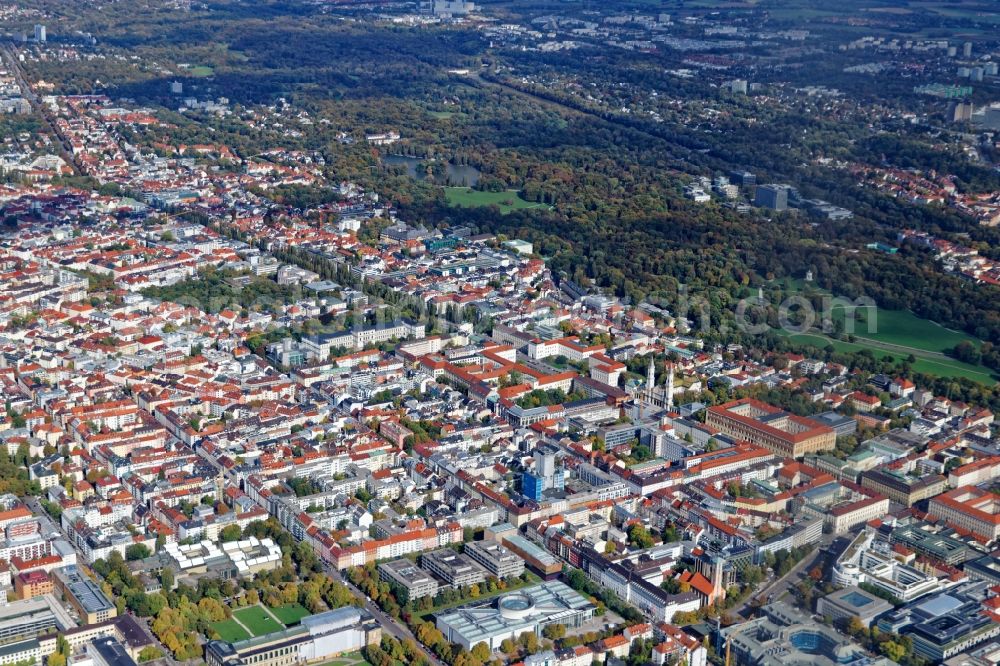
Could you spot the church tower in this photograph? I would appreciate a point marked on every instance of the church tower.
(670, 389)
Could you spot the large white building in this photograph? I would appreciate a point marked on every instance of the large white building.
(511, 615)
(30, 617)
(242, 558)
(319, 347)
(870, 561)
(21, 652)
(318, 637)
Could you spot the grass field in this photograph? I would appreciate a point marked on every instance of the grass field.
(940, 367)
(468, 197)
(900, 327)
(201, 71)
(290, 614)
(894, 327)
(445, 115)
(230, 631)
(257, 620)
(972, 11)
(349, 659)
(907, 333)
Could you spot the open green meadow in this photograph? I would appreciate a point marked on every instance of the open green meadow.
(939, 366)
(507, 201)
(903, 328)
(895, 333)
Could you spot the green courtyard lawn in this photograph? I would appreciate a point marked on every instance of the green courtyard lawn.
(467, 197)
(257, 620)
(290, 614)
(349, 659)
(230, 631)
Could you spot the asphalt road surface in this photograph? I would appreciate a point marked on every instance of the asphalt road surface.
(777, 588)
(389, 624)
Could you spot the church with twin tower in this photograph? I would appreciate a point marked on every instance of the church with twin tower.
(662, 396)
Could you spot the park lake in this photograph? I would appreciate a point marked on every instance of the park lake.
(442, 173)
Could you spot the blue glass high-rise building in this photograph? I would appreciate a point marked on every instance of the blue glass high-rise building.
(532, 486)
(547, 473)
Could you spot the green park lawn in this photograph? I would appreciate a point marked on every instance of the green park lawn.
(202, 71)
(924, 339)
(230, 631)
(468, 197)
(937, 366)
(257, 620)
(350, 659)
(901, 327)
(290, 614)
(895, 327)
